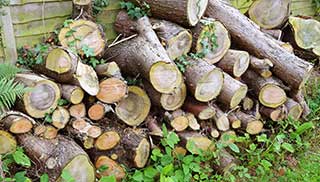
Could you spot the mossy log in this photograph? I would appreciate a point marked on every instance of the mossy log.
(268, 90)
(205, 81)
(7, 142)
(57, 155)
(289, 68)
(134, 109)
(234, 62)
(270, 14)
(112, 90)
(72, 93)
(261, 66)
(145, 55)
(176, 40)
(211, 40)
(41, 99)
(64, 66)
(233, 91)
(83, 33)
(184, 12)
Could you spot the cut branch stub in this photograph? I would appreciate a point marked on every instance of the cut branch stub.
(249, 123)
(112, 90)
(233, 91)
(98, 110)
(205, 81)
(113, 168)
(196, 143)
(295, 110)
(184, 12)
(57, 155)
(83, 33)
(211, 40)
(175, 99)
(261, 66)
(270, 14)
(17, 124)
(306, 33)
(41, 99)
(87, 79)
(72, 93)
(221, 119)
(268, 90)
(7, 142)
(235, 62)
(289, 68)
(134, 109)
(144, 55)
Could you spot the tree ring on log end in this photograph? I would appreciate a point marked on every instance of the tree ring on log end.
(209, 86)
(272, 96)
(59, 61)
(42, 98)
(142, 153)
(107, 140)
(241, 64)
(134, 109)
(165, 77)
(175, 100)
(179, 45)
(87, 78)
(207, 113)
(238, 96)
(295, 112)
(77, 96)
(7, 142)
(112, 90)
(81, 169)
(254, 127)
(20, 125)
(195, 10)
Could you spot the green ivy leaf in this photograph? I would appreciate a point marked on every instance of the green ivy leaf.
(21, 158)
(234, 147)
(288, 147)
(21, 177)
(63, 102)
(108, 179)
(44, 178)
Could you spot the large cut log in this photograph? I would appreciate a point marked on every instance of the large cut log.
(112, 90)
(289, 68)
(185, 12)
(81, 34)
(17, 124)
(233, 91)
(145, 55)
(270, 14)
(201, 110)
(176, 39)
(64, 66)
(58, 155)
(7, 142)
(306, 34)
(41, 99)
(261, 66)
(234, 62)
(268, 90)
(205, 81)
(211, 40)
(249, 123)
(72, 93)
(134, 109)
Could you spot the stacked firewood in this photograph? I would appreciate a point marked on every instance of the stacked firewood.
(222, 89)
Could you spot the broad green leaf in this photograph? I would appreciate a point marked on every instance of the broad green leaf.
(266, 164)
(67, 177)
(150, 172)
(21, 158)
(234, 147)
(304, 127)
(288, 147)
(167, 169)
(108, 179)
(44, 178)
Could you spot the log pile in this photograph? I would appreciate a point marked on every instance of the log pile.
(222, 89)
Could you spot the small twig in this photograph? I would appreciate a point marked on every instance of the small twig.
(17, 113)
(123, 40)
(80, 14)
(1, 170)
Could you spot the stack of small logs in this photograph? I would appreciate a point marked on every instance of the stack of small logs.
(108, 123)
